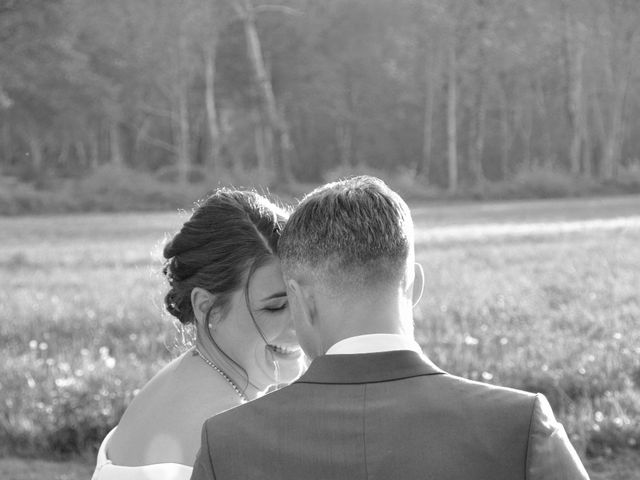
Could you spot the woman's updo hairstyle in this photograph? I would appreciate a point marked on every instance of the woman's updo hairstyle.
(230, 233)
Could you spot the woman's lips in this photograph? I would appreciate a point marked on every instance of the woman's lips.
(285, 350)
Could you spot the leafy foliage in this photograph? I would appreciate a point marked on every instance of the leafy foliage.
(154, 84)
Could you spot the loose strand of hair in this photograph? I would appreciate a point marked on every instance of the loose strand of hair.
(225, 354)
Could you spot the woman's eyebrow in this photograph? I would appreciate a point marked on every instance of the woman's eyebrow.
(275, 295)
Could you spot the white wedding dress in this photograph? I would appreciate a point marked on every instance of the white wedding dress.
(106, 470)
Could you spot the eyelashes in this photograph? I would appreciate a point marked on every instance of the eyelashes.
(276, 308)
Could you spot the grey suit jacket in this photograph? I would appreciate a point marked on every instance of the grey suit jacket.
(388, 415)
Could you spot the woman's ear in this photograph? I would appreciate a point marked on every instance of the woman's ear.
(201, 303)
(418, 283)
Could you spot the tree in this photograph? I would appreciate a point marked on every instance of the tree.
(276, 124)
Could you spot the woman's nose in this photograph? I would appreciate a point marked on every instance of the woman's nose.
(288, 334)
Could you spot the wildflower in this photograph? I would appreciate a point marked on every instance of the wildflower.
(65, 382)
(469, 340)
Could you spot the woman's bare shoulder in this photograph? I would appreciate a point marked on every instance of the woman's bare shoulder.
(164, 421)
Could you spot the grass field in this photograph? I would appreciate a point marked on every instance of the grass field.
(537, 295)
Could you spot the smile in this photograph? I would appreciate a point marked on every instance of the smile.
(284, 350)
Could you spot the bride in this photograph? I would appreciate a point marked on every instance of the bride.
(224, 278)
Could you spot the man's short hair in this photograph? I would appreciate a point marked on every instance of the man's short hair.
(348, 234)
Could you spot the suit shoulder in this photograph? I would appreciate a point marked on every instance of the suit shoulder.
(493, 393)
(246, 410)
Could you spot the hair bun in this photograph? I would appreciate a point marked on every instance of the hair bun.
(168, 250)
(226, 232)
(171, 304)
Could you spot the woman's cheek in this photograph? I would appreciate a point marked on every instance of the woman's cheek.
(275, 326)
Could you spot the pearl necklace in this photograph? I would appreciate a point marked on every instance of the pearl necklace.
(222, 374)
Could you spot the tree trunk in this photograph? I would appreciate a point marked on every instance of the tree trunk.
(452, 138)
(282, 143)
(622, 61)
(615, 138)
(523, 119)
(262, 141)
(527, 135)
(431, 75)
(505, 131)
(63, 156)
(573, 53)
(94, 150)
(142, 133)
(213, 122)
(478, 130)
(184, 138)
(115, 146)
(587, 155)
(36, 152)
(6, 144)
(81, 153)
(611, 154)
(479, 115)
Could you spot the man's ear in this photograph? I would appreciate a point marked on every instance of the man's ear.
(418, 283)
(201, 303)
(304, 303)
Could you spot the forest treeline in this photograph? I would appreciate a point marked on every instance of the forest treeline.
(452, 94)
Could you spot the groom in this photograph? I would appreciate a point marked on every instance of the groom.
(371, 405)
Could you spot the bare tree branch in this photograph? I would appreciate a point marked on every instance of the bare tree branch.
(159, 143)
(156, 111)
(278, 9)
(235, 4)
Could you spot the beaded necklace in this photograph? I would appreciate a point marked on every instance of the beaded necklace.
(222, 374)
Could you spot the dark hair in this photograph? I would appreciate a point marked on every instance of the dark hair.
(356, 230)
(230, 233)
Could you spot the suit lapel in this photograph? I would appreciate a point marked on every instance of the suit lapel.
(368, 368)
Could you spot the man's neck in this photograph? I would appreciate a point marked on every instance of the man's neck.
(356, 319)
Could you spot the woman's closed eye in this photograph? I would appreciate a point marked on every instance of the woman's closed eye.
(276, 307)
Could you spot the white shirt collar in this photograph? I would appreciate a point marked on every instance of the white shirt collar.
(376, 342)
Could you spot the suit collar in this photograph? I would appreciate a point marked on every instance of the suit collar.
(368, 367)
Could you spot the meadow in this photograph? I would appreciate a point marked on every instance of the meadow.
(540, 295)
